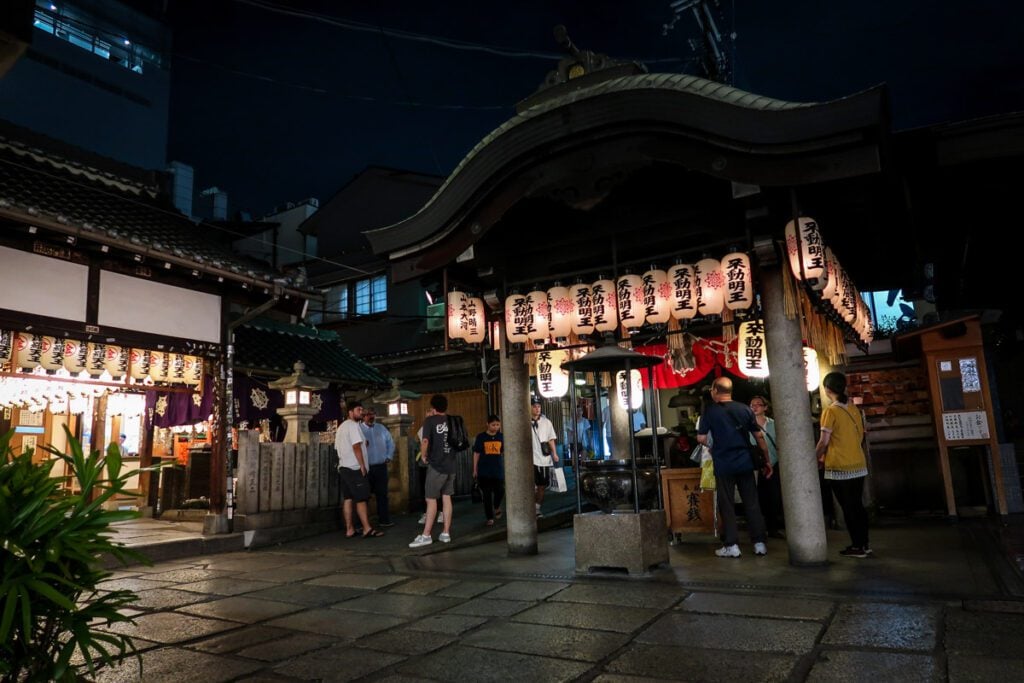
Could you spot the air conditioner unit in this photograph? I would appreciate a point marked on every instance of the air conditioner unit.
(435, 317)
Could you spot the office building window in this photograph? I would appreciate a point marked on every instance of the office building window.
(372, 295)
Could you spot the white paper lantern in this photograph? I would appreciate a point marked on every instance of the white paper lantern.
(176, 368)
(541, 316)
(52, 353)
(456, 307)
(606, 308)
(582, 296)
(476, 322)
(684, 291)
(138, 364)
(750, 349)
(806, 252)
(828, 292)
(75, 355)
(710, 286)
(811, 370)
(848, 299)
(552, 380)
(739, 281)
(95, 358)
(633, 397)
(657, 296)
(6, 345)
(116, 361)
(159, 366)
(629, 293)
(562, 309)
(28, 350)
(193, 370)
(518, 318)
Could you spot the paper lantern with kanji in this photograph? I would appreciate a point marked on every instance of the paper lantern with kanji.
(51, 355)
(657, 296)
(476, 321)
(561, 305)
(631, 398)
(739, 281)
(811, 369)
(806, 252)
(541, 316)
(552, 380)
(606, 307)
(828, 292)
(28, 349)
(750, 349)
(116, 361)
(193, 370)
(138, 364)
(456, 307)
(6, 345)
(629, 293)
(159, 366)
(582, 296)
(75, 355)
(684, 291)
(95, 359)
(710, 286)
(519, 321)
(848, 299)
(176, 368)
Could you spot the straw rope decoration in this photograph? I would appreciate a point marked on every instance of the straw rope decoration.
(728, 329)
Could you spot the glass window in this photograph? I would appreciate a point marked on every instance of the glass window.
(372, 295)
(890, 312)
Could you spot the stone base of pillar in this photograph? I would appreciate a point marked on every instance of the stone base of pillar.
(636, 542)
(215, 524)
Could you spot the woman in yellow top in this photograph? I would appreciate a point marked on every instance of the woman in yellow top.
(840, 454)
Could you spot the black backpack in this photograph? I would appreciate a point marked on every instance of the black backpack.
(458, 437)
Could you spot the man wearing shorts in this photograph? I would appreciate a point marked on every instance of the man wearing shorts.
(543, 437)
(352, 467)
(440, 482)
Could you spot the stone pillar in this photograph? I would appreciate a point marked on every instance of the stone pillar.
(622, 427)
(296, 420)
(801, 494)
(515, 425)
(401, 464)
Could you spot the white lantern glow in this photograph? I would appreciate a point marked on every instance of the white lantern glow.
(159, 366)
(75, 356)
(456, 307)
(476, 323)
(684, 291)
(752, 357)
(193, 370)
(806, 252)
(710, 286)
(657, 296)
(176, 373)
(633, 397)
(562, 308)
(51, 355)
(138, 364)
(583, 308)
(848, 299)
(541, 316)
(811, 370)
(552, 380)
(831, 275)
(629, 293)
(115, 361)
(28, 349)
(606, 308)
(519, 321)
(739, 281)
(6, 345)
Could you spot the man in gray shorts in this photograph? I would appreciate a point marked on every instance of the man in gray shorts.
(440, 459)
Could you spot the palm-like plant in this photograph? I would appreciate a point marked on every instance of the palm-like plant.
(52, 543)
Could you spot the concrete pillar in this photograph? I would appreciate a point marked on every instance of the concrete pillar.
(801, 494)
(622, 427)
(515, 425)
(401, 464)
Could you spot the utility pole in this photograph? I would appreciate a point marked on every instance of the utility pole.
(714, 61)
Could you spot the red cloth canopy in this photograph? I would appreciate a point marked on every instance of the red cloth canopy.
(707, 355)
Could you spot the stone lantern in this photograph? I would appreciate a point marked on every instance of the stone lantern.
(298, 409)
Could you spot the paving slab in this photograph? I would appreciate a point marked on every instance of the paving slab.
(223, 586)
(289, 646)
(616, 592)
(285, 574)
(406, 642)
(133, 584)
(546, 641)
(750, 634)
(854, 667)
(397, 604)
(171, 627)
(689, 663)
(249, 561)
(239, 638)
(975, 669)
(757, 606)
(423, 586)
(587, 616)
(620, 678)
(364, 581)
(166, 598)
(175, 665)
(160, 567)
(190, 575)
(339, 663)
(468, 589)
(306, 594)
(986, 634)
(459, 664)
(894, 626)
(242, 609)
(485, 607)
(331, 622)
(526, 590)
(452, 624)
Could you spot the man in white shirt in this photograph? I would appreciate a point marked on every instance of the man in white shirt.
(352, 466)
(543, 437)
(380, 448)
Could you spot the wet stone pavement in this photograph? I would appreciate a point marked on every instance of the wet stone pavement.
(335, 609)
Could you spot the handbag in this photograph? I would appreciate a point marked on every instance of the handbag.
(545, 447)
(558, 483)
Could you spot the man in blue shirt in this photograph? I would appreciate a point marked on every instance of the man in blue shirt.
(380, 448)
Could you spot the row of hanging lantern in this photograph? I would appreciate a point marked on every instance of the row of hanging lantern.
(813, 263)
(108, 362)
(682, 292)
(553, 381)
(38, 392)
(752, 355)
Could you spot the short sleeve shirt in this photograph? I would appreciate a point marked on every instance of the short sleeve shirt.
(349, 434)
(728, 424)
(543, 432)
(491, 450)
(440, 455)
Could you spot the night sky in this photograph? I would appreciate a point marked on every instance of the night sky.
(275, 108)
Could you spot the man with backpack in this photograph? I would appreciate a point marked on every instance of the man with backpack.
(442, 436)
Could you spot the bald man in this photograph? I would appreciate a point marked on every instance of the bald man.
(731, 424)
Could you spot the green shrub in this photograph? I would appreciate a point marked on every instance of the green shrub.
(53, 543)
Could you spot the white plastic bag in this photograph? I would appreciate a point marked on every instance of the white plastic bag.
(558, 484)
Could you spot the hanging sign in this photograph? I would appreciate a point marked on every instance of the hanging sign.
(739, 281)
(552, 380)
(606, 316)
(753, 360)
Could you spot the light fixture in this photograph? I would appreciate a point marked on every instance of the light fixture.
(167, 265)
(750, 349)
(710, 286)
(739, 281)
(552, 380)
(220, 279)
(582, 308)
(562, 311)
(606, 312)
(127, 42)
(631, 395)
(684, 291)
(71, 239)
(195, 273)
(657, 296)
(430, 299)
(806, 252)
(138, 258)
(104, 248)
(32, 229)
(629, 293)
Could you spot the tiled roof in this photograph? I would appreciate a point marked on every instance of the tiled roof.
(37, 184)
(269, 346)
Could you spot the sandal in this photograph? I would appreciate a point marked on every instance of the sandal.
(373, 533)
(497, 514)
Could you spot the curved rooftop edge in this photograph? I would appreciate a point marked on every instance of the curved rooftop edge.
(677, 104)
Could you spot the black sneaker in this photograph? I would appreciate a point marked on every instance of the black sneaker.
(854, 551)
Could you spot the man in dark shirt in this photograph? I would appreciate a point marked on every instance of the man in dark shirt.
(440, 458)
(489, 467)
(730, 425)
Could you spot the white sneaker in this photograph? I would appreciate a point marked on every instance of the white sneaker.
(440, 516)
(760, 549)
(444, 538)
(537, 509)
(728, 551)
(421, 541)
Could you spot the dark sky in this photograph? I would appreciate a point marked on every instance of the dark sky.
(273, 108)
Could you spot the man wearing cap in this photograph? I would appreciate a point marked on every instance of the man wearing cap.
(544, 454)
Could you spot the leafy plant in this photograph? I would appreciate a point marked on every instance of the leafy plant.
(53, 542)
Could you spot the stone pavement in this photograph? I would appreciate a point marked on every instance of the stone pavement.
(938, 602)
